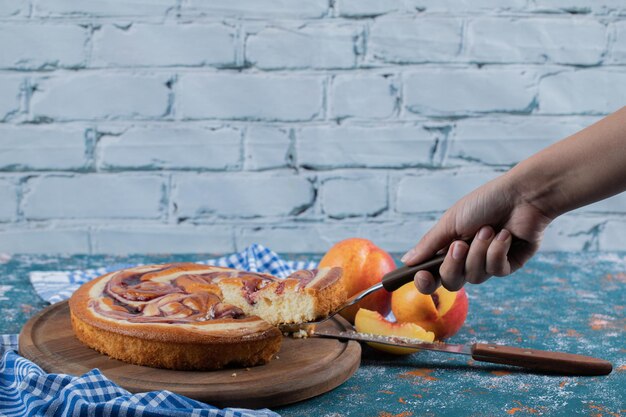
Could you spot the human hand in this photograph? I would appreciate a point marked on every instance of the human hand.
(506, 232)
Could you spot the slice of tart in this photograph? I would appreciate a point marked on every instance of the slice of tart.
(191, 316)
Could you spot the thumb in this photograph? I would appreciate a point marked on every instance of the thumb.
(437, 238)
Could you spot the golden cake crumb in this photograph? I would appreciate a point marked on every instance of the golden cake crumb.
(300, 334)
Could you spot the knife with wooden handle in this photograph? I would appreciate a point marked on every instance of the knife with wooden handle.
(538, 360)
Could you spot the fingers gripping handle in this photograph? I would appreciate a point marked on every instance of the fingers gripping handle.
(405, 274)
(397, 278)
(541, 360)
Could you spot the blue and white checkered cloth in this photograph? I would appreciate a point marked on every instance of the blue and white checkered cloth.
(26, 390)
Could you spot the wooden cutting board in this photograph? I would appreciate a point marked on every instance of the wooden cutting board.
(304, 367)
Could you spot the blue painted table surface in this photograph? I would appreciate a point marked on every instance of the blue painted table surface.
(572, 302)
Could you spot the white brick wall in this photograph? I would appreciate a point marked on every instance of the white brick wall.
(258, 9)
(204, 126)
(435, 192)
(44, 240)
(612, 235)
(163, 239)
(619, 46)
(39, 45)
(468, 91)
(414, 40)
(99, 8)
(32, 147)
(499, 40)
(318, 46)
(267, 147)
(596, 91)
(579, 6)
(252, 97)
(166, 147)
(100, 96)
(364, 96)
(507, 140)
(93, 196)
(12, 7)
(11, 87)
(152, 45)
(372, 147)
(356, 196)
(241, 195)
(8, 197)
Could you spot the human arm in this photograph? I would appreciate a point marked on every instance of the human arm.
(517, 206)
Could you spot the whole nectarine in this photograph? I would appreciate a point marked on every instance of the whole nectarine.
(364, 265)
(371, 322)
(442, 312)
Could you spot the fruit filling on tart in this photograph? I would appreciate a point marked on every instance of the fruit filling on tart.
(178, 293)
(143, 297)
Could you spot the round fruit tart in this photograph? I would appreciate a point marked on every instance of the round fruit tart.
(188, 316)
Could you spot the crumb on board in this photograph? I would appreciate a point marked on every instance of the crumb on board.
(234, 374)
(301, 333)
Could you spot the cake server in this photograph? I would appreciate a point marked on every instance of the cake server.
(390, 282)
(538, 360)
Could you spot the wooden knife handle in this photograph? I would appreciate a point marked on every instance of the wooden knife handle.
(541, 360)
(397, 278)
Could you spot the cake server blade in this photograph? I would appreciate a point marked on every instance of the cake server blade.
(537, 360)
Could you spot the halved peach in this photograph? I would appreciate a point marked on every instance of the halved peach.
(442, 312)
(371, 322)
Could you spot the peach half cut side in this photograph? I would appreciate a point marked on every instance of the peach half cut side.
(371, 322)
(442, 312)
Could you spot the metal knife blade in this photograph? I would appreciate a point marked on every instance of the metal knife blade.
(537, 360)
(394, 341)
